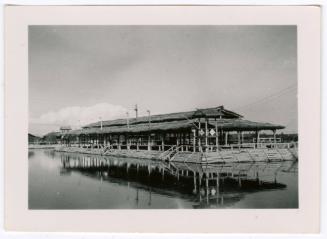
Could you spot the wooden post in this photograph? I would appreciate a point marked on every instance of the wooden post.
(239, 139)
(119, 142)
(127, 142)
(149, 143)
(217, 135)
(274, 132)
(206, 134)
(194, 140)
(200, 149)
(226, 138)
(184, 139)
(189, 139)
(162, 142)
(258, 137)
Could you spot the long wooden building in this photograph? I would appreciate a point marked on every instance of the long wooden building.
(195, 131)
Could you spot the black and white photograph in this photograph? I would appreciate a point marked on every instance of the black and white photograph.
(162, 117)
(117, 116)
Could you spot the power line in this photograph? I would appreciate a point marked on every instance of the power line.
(270, 97)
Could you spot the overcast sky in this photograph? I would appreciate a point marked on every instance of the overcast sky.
(80, 73)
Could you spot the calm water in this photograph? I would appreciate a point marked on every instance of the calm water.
(77, 181)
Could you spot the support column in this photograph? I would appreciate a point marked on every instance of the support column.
(184, 139)
(206, 134)
(194, 140)
(274, 132)
(257, 137)
(239, 139)
(217, 135)
(226, 138)
(162, 142)
(127, 142)
(200, 149)
(149, 142)
(119, 147)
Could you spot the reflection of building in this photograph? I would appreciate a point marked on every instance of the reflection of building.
(205, 185)
(198, 130)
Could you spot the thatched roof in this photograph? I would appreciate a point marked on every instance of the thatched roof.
(215, 112)
(137, 128)
(245, 125)
(224, 124)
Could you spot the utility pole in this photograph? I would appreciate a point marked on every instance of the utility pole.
(149, 114)
(149, 137)
(136, 111)
(127, 114)
(127, 136)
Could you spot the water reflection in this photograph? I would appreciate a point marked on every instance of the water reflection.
(205, 186)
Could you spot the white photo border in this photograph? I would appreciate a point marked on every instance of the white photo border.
(302, 220)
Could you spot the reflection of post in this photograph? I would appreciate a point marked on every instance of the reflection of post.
(194, 181)
(150, 199)
(127, 167)
(217, 187)
(137, 197)
(207, 187)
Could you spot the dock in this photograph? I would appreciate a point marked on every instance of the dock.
(175, 154)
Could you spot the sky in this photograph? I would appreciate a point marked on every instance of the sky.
(81, 74)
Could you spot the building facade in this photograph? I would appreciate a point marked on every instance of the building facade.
(198, 130)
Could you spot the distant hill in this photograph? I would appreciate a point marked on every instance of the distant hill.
(32, 139)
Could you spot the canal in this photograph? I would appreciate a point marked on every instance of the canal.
(79, 181)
